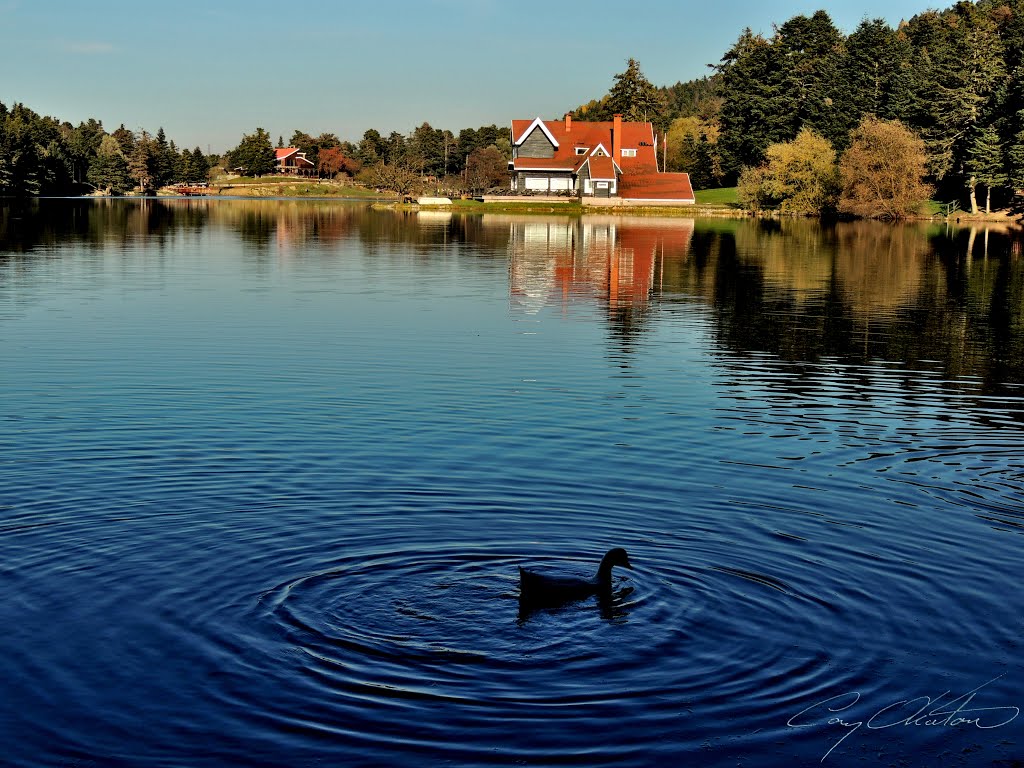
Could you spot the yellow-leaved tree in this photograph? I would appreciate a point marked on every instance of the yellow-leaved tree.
(883, 171)
(798, 177)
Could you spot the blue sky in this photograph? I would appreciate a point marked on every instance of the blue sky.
(209, 71)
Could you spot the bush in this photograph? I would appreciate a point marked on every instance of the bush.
(883, 171)
(799, 177)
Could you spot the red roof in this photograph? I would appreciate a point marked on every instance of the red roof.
(638, 136)
(282, 153)
(655, 186)
(602, 168)
(575, 141)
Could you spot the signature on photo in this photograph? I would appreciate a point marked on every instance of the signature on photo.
(922, 712)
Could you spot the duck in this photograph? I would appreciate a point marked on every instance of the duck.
(543, 589)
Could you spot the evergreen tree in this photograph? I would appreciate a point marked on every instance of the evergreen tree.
(635, 98)
(810, 49)
(958, 66)
(755, 110)
(199, 168)
(985, 163)
(82, 145)
(142, 162)
(254, 155)
(126, 140)
(164, 160)
(873, 72)
(394, 149)
(109, 169)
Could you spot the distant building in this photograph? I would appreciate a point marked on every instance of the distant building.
(291, 160)
(593, 159)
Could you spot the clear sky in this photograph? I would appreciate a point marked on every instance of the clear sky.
(210, 70)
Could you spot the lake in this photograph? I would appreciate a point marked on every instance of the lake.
(268, 470)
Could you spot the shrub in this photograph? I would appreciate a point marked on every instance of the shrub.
(882, 173)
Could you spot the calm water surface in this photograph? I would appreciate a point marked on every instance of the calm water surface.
(267, 470)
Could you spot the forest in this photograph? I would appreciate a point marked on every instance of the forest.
(953, 79)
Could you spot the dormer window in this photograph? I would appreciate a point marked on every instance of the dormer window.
(629, 153)
(581, 150)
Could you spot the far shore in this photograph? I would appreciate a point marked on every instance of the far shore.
(710, 203)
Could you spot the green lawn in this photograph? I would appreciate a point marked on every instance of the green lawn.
(723, 196)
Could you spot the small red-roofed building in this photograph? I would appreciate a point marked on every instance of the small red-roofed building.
(291, 160)
(616, 159)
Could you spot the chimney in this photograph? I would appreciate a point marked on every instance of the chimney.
(568, 122)
(617, 138)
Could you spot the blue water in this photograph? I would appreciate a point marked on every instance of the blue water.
(268, 470)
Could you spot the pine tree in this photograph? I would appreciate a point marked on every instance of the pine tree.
(254, 155)
(109, 169)
(141, 162)
(635, 98)
(755, 110)
(808, 48)
(985, 162)
(873, 73)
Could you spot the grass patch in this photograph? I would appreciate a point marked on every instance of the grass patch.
(722, 196)
(241, 181)
(328, 190)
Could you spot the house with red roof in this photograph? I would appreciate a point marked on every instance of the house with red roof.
(616, 159)
(291, 160)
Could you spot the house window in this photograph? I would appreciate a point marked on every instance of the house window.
(581, 150)
(629, 153)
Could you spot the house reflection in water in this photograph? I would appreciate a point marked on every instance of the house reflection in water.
(611, 260)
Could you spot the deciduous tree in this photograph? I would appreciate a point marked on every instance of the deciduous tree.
(799, 176)
(333, 161)
(487, 168)
(883, 171)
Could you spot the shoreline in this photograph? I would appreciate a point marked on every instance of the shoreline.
(1004, 220)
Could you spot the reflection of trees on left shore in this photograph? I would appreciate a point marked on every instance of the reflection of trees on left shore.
(94, 222)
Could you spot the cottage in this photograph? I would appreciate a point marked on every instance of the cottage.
(593, 159)
(290, 160)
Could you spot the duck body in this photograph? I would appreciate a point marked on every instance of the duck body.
(538, 588)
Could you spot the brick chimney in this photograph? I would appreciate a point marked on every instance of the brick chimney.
(568, 122)
(617, 138)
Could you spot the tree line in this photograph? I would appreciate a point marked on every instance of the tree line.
(42, 155)
(953, 78)
(475, 158)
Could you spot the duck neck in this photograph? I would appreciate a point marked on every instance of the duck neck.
(604, 574)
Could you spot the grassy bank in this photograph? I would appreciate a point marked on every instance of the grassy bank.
(283, 186)
(726, 197)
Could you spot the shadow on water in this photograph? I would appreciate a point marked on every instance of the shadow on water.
(611, 607)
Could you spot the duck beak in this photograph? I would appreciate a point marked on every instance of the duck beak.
(627, 564)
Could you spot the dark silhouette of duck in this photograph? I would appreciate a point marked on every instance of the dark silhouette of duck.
(549, 590)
